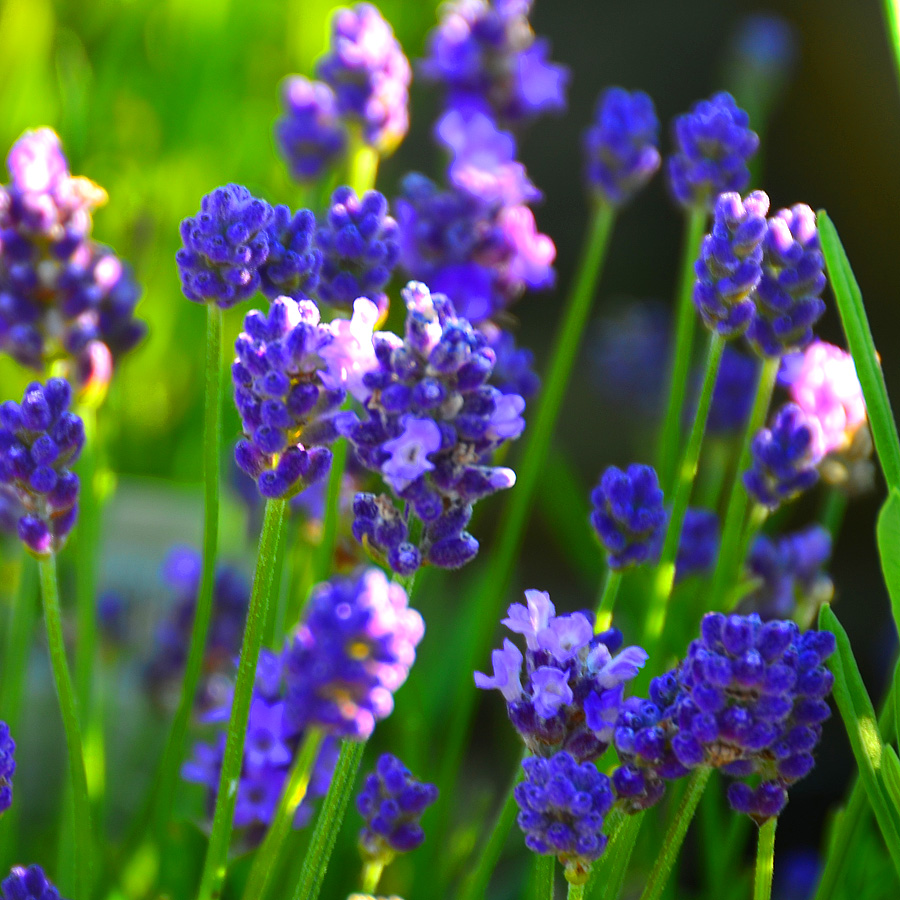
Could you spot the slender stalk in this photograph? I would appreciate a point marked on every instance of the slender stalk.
(576, 892)
(833, 509)
(82, 832)
(684, 482)
(489, 594)
(607, 601)
(170, 764)
(328, 822)
(371, 875)
(730, 547)
(614, 863)
(765, 860)
(670, 436)
(275, 614)
(216, 864)
(892, 21)
(324, 559)
(659, 875)
(363, 168)
(292, 796)
(542, 882)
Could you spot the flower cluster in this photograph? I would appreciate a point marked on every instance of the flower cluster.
(698, 546)
(730, 263)
(749, 699)
(39, 439)
(360, 246)
(573, 685)
(270, 747)
(281, 389)
(714, 144)
(485, 55)
(788, 301)
(562, 807)
(293, 261)
(620, 146)
(352, 652)
(392, 802)
(629, 515)
(62, 294)
(7, 767)
(784, 459)
(27, 884)
(430, 423)
(231, 598)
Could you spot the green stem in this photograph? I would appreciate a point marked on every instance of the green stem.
(576, 892)
(371, 875)
(659, 876)
(328, 822)
(670, 436)
(489, 594)
(684, 482)
(729, 560)
(363, 168)
(833, 509)
(607, 600)
(325, 551)
(216, 864)
(275, 615)
(765, 860)
(614, 863)
(292, 796)
(82, 834)
(892, 21)
(543, 877)
(170, 763)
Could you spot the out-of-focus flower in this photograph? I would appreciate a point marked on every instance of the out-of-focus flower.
(7, 767)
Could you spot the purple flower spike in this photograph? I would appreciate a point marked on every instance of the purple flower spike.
(392, 802)
(39, 440)
(352, 652)
(629, 516)
(292, 266)
(620, 146)
(714, 143)
(569, 694)
(784, 459)
(7, 767)
(788, 297)
(409, 452)
(562, 807)
(224, 246)
(369, 74)
(730, 264)
(310, 135)
(27, 884)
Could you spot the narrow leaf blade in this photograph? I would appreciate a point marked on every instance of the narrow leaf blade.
(888, 533)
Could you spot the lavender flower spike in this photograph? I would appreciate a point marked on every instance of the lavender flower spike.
(730, 264)
(620, 147)
(7, 767)
(39, 440)
(27, 884)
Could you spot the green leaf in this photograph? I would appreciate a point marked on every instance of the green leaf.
(888, 532)
(892, 774)
(862, 730)
(862, 347)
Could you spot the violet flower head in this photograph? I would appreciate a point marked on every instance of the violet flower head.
(788, 298)
(369, 74)
(224, 246)
(484, 53)
(562, 808)
(569, 693)
(733, 393)
(730, 263)
(360, 247)
(62, 294)
(7, 767)
(351, 653)
(699, 543)
(714, 143)
(784, 459)
(27, 884)
(39, 440)
(431, 422)
(286, 409)
(629, 515)
(310, 134)
(620, 146)
(823, 382)
(292, 266)
(392, 801)
(271, 744)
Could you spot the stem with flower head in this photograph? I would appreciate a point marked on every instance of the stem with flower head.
(291, 797)
(687, 471)
(170, 764)
(216, 864)
(765, 860)
(670, 436)
(729, 558)
(83, 834)
(328, 822)
(659, 875)
(607, 600)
